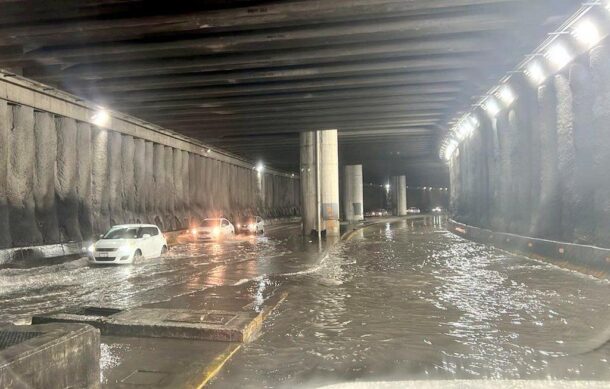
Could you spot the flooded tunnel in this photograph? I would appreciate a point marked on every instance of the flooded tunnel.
(356, 193)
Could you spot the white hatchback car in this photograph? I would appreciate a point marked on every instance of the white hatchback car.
(128, 243)
(213, 228)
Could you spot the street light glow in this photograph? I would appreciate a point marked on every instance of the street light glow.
(101, 118)
(587, 33)
(474, 120)
(535, 73)
(450, 149)
(260, 167)
(506, 94)
(464, 130)
(491, 106)
(558, 55)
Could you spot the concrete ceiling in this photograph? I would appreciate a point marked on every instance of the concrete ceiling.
(249, 75)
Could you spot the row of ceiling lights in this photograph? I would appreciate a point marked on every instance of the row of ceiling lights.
(583, 31)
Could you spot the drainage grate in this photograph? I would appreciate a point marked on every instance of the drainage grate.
(100, 311)
(11, 338)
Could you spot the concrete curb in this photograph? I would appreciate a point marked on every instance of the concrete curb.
(589, 260)
(212, 370)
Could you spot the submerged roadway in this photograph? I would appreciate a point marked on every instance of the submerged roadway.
(401, 299)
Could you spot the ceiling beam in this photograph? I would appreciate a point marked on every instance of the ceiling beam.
(242, 19)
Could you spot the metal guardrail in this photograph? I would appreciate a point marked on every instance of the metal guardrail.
(585, 259)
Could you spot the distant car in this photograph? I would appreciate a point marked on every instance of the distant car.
(437, 210)
(377, 212)
(413, 210)
(128, 243)
(251, 225)
(212, 229)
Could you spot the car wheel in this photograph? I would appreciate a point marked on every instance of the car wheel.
(164, 250)
(137, 257)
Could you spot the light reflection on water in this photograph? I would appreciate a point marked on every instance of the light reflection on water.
(188, 268)
(411, 301)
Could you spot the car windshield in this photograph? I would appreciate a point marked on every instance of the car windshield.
(210, 223)
(122, 233)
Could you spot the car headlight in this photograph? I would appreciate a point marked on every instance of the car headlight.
(216, 231)
(91, 248)
(251, 226)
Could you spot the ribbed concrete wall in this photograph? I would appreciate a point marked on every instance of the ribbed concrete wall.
(5, 231)
(63, 179)
(540, 168)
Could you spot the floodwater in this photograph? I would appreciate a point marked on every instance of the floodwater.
(187, 269)
(398, 301)
(411, 301)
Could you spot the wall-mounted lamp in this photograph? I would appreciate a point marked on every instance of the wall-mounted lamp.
(101, 118)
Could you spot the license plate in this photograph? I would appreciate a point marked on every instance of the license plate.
(103, 254)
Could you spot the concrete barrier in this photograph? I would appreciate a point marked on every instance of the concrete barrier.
(49, 356)
(71, 250)
(590, 260)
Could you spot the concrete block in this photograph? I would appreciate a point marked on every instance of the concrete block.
(49, 356)
(215, 325)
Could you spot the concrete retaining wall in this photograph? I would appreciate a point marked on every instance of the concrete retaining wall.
(63, 179)
(539, 168)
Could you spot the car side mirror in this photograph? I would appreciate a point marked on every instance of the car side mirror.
(101, 236)
(146, 236)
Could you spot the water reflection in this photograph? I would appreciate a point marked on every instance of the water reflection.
(410, 301)
(188, 268)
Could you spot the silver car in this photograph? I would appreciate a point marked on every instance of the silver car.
(251, 225)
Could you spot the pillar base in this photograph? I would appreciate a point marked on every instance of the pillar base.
(333, 228)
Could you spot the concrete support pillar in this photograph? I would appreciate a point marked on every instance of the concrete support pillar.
(309, 212)
(320, 194)
(329, 180)
(399, 195)
(353, 199)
